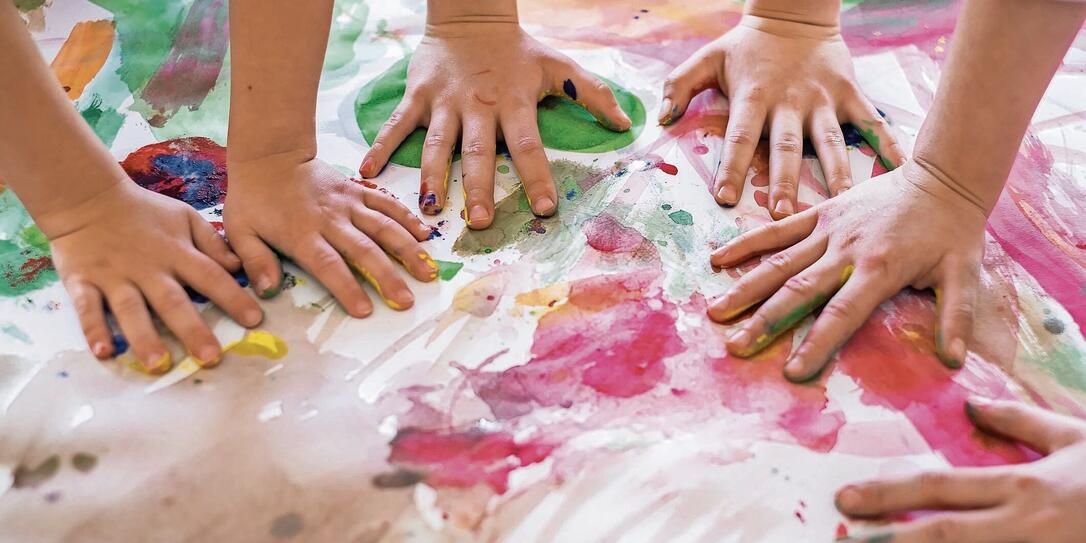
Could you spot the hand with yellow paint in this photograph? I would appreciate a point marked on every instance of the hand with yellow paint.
(113, 243)
(787, 74)
(477, 76)
(328, 224)
(1039, 502)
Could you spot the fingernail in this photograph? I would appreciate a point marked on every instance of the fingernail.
(367, 167)
(406, 297)
(957, 350)
(784, 207)
(847, 498)
(99, 349)
(727, 196)
(156, 363)
(477, 214)
(793, 371)
(208, 356)
(428, 203)
(266, 287)
(544, 205)
(740, 339)
(665, 112)
(252, 317)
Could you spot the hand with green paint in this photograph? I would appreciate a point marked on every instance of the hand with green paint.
(477, 77)
(1039, 502)
(787, 74)
(329, 225)
(848, 254)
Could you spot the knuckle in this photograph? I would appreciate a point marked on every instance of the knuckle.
(946, 530)
(1028, 483)
(781, 262)
(800, 284)
(324, 261)
(839, 308)
(932, 483)
(876, 261)
(833, 138)
(753, 95)
(601, 87)
(436, 140)
(474, 149)
(788, 142)
(527, 144)
(739, 135)
(785, 184)
(669, 85)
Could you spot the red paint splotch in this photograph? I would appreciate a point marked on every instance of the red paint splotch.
(31, 269)
(669, 169)
(891, 359)
(465, 459)
(757, 385)
(605, 234)
(192, 170)
(611, 338)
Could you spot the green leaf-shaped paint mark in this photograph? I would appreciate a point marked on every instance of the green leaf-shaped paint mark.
(682, 217)
(563, 124)
(447, 270)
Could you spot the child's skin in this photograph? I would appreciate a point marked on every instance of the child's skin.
(112, 242)
(477, 76)
(787, 73)
(281, 196)
(864, 246)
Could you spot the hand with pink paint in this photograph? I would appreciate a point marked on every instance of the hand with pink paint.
(112, 242)
(921, 225)
(1040, 502)
(787, 73)
(282, 197)
(478, 76)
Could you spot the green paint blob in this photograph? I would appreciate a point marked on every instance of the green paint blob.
(25, 264)
(872, 139)
(503, 168)
(145, 32)
(28, 5)
(682, 217)
(563, 124)
(447, 270)
(105, 121)
(16, 332)
(666, 207)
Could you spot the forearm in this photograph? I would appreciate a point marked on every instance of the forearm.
(277, 52)
(48, 154)
(815, 12)
(1003, 56)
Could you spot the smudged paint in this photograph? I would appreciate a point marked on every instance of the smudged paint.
(286, 526)
(563, 124)
(84, 462)
(192, 170)
(446, 270)
(25, 263)
(605, 234)
(611, 337)
(570, 89)
(104, 121)
(82, 55)
(465, 459)
(681, 217)
(32, 477)
(258, 343)
(15, 332)
(192, 66)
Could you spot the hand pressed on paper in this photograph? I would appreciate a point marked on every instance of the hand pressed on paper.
(1039, 502)
(132, 248)
(783, 79)
(904, 228)
(480, 82)
(328, 224)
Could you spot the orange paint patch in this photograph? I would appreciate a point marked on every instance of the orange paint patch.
(83, 55)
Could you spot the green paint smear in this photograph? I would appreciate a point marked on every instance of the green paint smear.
(1066, 364)
(16, 332)
(794, 316)
(872, 139)
(563, 124)
(145, 32)
(24, 250)
(348, 21)
(681, 217)
(28, 5)
(447, 270)
(105, 121)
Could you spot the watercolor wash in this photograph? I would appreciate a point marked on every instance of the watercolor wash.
(560, 381)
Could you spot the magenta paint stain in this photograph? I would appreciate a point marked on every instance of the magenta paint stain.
(192, 170)
(700, 149)
(605, 234)
(465, 459)
(193, 65)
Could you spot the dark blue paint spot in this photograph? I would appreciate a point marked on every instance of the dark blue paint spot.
(120, 345)
(570, 89)
(571, 193)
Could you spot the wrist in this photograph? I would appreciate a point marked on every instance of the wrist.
(824, 13)
(925, 175)
(263, 143)
(108, 197)
(790, 29)
(449, 18)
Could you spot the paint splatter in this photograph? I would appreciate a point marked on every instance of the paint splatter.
(31, 477)
(84, 462)
(465, 459)
(192, 170)
(446, 270)
(681, 217)
(570, 89)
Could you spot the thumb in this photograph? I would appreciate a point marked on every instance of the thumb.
(688, 79)
(592, 93)
(1040, 429)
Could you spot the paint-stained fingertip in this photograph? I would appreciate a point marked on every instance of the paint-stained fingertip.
(368, 167)
(668, 112)
(974, 406)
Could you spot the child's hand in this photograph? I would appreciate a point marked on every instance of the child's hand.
(904, 228)
(480, 82)
(132, 248)
(1040, 502)
(326, 223)
(784, 79)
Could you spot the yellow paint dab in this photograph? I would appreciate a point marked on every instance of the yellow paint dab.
(259, 343)
(542, 297)
(847, 272)
(373, 282)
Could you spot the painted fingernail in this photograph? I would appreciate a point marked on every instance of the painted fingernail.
(266, 287)
(784, 207)
(156, 363)
(367, 167)
(847, 498)
(252, 317)
(740, 339)
(478, 214)
(957, 350)
(428, 203)
(665, 112)
(208, 356)
(544, 205)
(727, 196)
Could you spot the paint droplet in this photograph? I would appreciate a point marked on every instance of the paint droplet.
(286, 526)
(669, 169)
(1053, 325)
(397, 479)
(682, 217)
(25, 477)
(666, 207)
(700, 149)
(503, 168)
(570, 89)
(84, 462)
